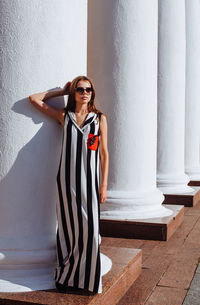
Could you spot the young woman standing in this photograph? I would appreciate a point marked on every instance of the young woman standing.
(79, 192)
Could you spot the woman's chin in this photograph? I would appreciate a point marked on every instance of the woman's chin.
(82, 102)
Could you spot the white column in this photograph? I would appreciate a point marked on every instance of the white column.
(44, 46)
(122, 60)
(192, 122)
(171, 98)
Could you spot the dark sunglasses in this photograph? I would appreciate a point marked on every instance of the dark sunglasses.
(81, 90)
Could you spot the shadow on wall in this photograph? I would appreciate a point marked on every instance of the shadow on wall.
(28, 191)
(28, 219)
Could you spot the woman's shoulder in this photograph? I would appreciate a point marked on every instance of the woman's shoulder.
(102, 119)
(102, 116)
(100, 113)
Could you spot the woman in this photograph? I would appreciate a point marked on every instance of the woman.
(78, 192)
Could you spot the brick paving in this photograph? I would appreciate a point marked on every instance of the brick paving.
(168, 267)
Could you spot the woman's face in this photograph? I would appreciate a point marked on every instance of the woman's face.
(83, 97)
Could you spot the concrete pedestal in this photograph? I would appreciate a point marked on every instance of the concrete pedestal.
(187, 199)
(152, 228)
(194, 183)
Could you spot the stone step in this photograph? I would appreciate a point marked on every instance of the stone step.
(152, 228)
(187, 199)
(126, 267)
(194, 183)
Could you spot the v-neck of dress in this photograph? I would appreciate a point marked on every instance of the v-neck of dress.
(89, 119)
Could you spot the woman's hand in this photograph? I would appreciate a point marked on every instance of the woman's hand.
(66, 87)
(103, 193)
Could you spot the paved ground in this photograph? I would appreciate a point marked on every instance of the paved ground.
(168, 267)
(193, 295)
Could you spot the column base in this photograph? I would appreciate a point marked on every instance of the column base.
(127, 264)
(134, 205)
(187, 199)
(193, 173)
(26, 280)
(152, 228)
(173, 183)
(26, 270)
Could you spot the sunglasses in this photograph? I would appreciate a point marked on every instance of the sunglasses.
(81, 90)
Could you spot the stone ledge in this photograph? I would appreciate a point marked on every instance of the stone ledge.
(151, 228)
(194, 183)
(188, 199)
(126, 268)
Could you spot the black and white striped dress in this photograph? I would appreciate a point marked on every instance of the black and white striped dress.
(78, 205)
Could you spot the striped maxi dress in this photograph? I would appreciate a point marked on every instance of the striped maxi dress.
(78, 206)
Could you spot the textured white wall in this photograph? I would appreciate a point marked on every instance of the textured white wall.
(43, 46)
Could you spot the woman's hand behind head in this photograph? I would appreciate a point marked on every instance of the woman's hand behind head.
(66, 88)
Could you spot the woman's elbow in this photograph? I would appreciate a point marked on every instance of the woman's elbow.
(31, 100)
(34, 100)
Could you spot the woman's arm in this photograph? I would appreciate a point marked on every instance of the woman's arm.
(104, 156)
(38, 99)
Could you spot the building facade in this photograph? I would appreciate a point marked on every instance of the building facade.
(143, 57)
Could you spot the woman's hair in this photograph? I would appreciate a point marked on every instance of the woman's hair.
(71, 104)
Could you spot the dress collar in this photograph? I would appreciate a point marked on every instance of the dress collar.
(89, 119)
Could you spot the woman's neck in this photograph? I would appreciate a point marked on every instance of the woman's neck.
(81, 109)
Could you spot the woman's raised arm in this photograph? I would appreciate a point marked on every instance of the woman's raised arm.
(38, 99)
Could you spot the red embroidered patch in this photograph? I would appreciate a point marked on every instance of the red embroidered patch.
(92, 142)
